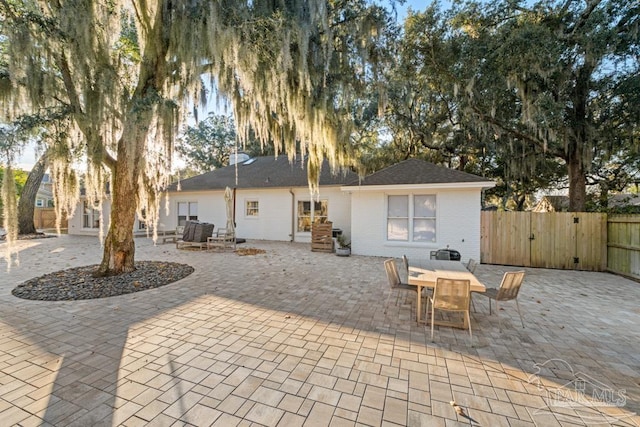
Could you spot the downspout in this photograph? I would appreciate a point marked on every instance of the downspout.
(234, 208)
(293, 214)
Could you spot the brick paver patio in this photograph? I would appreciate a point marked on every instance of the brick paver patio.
(297, 338)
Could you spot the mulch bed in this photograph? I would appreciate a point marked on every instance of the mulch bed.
(29, 236)
(79, 284)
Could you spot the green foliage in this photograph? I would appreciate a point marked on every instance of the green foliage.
(19, 177)
(544, 82)
(342, 241)
(208, 145)
(534, 95)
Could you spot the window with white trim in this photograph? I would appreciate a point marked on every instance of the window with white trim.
(252, 208)
(308, 216)
(142, 224)
(187, 211)
(39, 203)
(90, 215)
(411, 218)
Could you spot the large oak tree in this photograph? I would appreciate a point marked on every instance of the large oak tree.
(126, 70)
(554, 80)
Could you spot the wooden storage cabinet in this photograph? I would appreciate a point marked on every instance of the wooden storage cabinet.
(322, 237)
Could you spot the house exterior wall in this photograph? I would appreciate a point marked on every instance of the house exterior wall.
(277, 211)
(457, 224)
(211, 208)
(75, 223)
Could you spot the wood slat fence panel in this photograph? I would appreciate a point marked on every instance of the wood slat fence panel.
(562, 240)
(591, 243)
(45, 218)
(505, 238)
(623, 246)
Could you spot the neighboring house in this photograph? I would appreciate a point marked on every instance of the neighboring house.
(409, 208)
(552, 204)
(44, 196)
(620, 202)
(624, 203)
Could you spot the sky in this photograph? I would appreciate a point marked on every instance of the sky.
(416, 5)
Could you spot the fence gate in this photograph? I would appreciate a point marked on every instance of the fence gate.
(624, 245)
(45, 218)
(563, 240)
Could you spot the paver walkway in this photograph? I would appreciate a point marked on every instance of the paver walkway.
(297, 338)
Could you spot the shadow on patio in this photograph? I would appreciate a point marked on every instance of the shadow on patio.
(291, 337)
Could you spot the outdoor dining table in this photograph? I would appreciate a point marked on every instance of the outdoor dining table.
(426, 275)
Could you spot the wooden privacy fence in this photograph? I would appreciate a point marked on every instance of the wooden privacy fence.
(563, 240)
(624, 245)
(45, 218)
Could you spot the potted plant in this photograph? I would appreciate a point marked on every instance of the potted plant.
(344, 246)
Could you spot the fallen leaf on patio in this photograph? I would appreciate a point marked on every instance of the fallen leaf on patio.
(249, 251)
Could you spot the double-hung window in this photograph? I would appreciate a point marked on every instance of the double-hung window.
(252, 209)
(90, 216)
(142, 224)
(187, 211)
(411, 218)
(310, 212)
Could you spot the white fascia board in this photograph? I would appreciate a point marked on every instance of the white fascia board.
(447, 186)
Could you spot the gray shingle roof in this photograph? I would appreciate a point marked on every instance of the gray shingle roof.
(416, 171)
(262, 172)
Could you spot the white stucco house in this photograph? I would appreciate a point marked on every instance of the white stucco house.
(409, 208)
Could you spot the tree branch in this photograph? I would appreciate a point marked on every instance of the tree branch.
(517, 134)
(584, 16)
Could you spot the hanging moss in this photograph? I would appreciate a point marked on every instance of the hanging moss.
(127, 71)
(10, 220)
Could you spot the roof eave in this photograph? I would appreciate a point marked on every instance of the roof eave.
(481, 185)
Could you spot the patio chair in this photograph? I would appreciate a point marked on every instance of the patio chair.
(405, 263)
(394, 281)
(508, 291)
(471, 265)
(223, 238)
(451, 295)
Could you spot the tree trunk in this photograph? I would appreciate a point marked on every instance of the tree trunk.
(579, 122)
(604, 196)
(119, 246)
(577, 185)
(26, 205)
